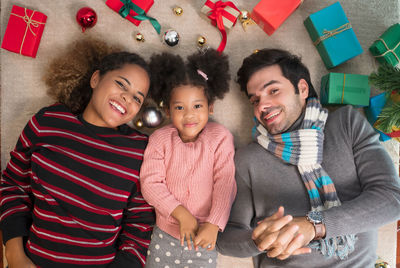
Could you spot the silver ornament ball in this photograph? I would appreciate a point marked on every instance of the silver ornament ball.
(152, 117)
(171, 38)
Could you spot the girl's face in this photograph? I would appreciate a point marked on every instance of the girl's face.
(117, 96)
(189, 110)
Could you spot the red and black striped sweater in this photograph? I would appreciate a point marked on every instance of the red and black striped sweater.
(71, 189)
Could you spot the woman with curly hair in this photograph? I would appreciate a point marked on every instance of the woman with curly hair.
(70, 195)
(188, 170)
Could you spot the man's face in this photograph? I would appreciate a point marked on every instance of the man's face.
(275, 103)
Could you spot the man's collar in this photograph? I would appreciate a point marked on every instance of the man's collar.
(297, 124)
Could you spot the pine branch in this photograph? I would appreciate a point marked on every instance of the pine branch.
(389, 117)
(387, 78)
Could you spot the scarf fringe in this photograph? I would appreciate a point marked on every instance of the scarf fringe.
(341, 246)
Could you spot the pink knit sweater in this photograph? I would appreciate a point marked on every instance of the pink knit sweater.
(198, 175)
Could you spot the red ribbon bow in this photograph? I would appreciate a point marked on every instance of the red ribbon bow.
(216, 15)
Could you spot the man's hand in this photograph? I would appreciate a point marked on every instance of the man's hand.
(207, 236)
(187, 224)
(305, 233)
(281, 235)
(15, 254)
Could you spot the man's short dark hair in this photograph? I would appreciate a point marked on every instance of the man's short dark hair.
(291, 66)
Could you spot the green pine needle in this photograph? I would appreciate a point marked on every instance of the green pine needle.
(389, 117)
(387, 78)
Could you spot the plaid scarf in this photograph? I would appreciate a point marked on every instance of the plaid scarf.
(304, 148)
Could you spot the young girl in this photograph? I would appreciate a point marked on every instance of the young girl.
(188, 170)
(70, 195)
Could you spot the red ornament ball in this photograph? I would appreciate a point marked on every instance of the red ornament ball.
(86, 17)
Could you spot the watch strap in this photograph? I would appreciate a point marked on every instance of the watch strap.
(319, 231)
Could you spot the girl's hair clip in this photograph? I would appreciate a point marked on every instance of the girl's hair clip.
(200, 72)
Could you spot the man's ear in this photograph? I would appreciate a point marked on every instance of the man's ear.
(211, 108)
(94, 80)
(303, 88)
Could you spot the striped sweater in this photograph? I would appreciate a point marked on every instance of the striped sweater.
(71, 189)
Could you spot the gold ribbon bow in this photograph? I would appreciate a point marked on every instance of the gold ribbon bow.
(29, 22)
(329, 34)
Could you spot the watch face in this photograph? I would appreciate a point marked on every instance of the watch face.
(315, 216)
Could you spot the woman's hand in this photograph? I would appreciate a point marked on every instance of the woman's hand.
(15, 254)
(207, 236)
(188, 225)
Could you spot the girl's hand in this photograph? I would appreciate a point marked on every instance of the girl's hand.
(188, 225)
(15, 254)
(207, 236)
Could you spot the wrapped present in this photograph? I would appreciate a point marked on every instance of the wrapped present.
(339, 88)
(372, 112)
(24, 31)
(333, 35)
(387, 48)
(134, 11)
(222, 15)
(270, 14)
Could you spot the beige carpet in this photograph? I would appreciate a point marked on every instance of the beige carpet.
(23, 92)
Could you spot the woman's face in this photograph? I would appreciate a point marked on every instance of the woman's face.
(117, 96)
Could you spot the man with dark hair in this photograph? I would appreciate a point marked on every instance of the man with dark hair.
(327, 173)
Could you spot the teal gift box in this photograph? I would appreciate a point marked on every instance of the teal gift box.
(372, 112)
(339, 88)
(333, 35)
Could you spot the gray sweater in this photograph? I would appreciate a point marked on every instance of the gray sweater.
(364, 177)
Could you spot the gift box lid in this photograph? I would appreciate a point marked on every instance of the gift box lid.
(339, 88)
(116, 5)
(387, 47)
(24, 31)
(270, 14)
(229, 15)
(333, 35)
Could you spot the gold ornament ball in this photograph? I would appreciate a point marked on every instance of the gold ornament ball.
(201, 41)
(178, 11)
(255, 51)
(139, 37)
(139, 123)
(244, 16)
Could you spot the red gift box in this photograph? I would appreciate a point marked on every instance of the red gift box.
(270, 14)
(24, 31)
(116, 5)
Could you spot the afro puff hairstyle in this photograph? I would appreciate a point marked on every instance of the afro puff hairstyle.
(206, 69)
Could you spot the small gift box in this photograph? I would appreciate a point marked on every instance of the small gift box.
(339, 88)
(222, 15)
(270, 14)
(134, 11)
(24, 31)
(387, 48)
(372, 112)
(333, 35)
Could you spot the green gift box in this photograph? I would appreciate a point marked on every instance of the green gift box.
(339, 88)
(387, 48)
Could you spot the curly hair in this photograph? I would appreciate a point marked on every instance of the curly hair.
(208, 70)
(291, 66)
(68, 75)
